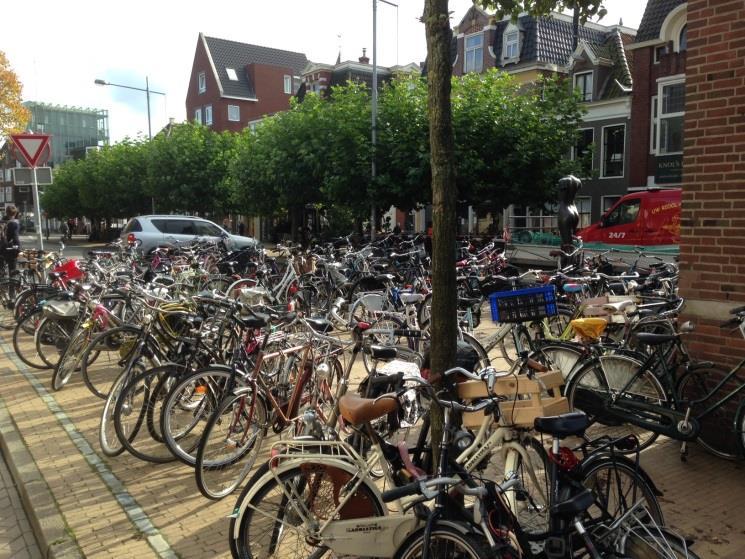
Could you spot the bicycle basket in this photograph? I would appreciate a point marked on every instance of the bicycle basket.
(523, 305)
(57, 310)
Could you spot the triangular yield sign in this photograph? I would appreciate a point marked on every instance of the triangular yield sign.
(31, 146)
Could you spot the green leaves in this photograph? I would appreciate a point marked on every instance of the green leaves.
(587, 8)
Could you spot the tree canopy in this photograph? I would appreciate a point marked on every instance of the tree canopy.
(13, 115)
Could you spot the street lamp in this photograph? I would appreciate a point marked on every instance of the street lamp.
(147, 91)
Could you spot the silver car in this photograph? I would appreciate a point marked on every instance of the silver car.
(155, 231)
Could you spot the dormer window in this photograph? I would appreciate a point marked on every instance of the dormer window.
(232, 76)
(474, 53)
(511, 44)
(583, 82)
(202, 82)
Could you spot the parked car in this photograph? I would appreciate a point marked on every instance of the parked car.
(645, 218)
(169, 230)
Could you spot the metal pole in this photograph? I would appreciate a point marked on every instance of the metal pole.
(373, 210)
(149, 131)
(38, 208)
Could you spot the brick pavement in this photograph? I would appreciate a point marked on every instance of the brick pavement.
(127, 508)
(16, 536)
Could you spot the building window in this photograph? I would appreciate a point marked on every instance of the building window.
(608, 202)
(653, 127)
(288, 85)
(208, 115)
(253, 124)
(659, 52)
(232, 76)
(613, 147)
(474, 53)
(584, 207)
(198, 116)
(583, 82)
(671, 109)
(683, 39)
(202, 82)
(234, 113)
(582, 149)
(511, 43)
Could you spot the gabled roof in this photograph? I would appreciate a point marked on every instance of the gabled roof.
(654, 14)
(232, 54)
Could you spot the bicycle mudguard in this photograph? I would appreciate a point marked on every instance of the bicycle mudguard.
(593, 459)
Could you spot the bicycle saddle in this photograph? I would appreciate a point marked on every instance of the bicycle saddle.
(564, 425)
(411, 298)
(383, 352)
(356, 409)
(618, 307)
(320, 324)
(655, 339)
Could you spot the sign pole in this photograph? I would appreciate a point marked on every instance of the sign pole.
(38, 208)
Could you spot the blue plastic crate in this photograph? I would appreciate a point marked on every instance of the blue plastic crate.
(523, 305)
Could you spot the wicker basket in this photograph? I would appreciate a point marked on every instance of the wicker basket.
(528, 398)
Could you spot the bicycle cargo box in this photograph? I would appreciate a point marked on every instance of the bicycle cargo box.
(523, 305)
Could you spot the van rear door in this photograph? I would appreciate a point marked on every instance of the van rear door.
(623, 224)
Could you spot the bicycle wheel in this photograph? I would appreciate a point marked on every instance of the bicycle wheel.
(717, 435)
(134, 406)
(740, 429)
(386, 322)
(187, 408)
(108, 438)
(507, 345)
(272, 524)
(23, 341)
(230, 444)
(70, 360)
(563, 358)
(447, 542)
(617, 485)
(106, 355)
(9, 291)
(592, 388)
(530, 499)
(484, 360)
(51, 339)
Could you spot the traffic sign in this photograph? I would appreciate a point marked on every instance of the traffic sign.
(31, 146)
(24, 176)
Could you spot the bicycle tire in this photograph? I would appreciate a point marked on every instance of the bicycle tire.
(222, 462)
(559, 357)
(447, 542)
(187, 409)
(22, 340)
(270, 509)
(133, 407)
(70, 359)
(740, 429)
(108, 352)
(390, 321)
(589, 389)
(604, 477)
(718, 430)
(10, 290)
(51, 338)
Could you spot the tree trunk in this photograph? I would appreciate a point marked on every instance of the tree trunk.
(444, 197)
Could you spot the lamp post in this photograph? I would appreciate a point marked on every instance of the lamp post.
(147, 92)
(374, 111)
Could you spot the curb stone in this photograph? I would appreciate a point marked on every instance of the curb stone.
(51, 533)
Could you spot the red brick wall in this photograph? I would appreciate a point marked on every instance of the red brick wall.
(268, 83)
(713, 217)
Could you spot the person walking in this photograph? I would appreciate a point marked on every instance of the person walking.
(10, 246)
(242, 229)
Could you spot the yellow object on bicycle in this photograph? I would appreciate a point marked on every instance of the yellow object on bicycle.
(590, 328)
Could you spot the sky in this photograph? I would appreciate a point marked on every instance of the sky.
(59, 50)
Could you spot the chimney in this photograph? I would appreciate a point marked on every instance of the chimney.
(364, 59)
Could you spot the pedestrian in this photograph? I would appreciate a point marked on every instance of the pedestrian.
(70, 227)
(226, 224)
(241, 229)
(10, 246)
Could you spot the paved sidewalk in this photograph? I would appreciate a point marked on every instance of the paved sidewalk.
(16, 536)
(122, 507)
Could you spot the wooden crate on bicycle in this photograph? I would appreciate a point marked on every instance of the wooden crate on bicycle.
(526, 398)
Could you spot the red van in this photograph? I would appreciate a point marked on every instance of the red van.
(647, 218)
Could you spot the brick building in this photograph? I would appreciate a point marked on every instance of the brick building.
(234, 85)
(713, 222)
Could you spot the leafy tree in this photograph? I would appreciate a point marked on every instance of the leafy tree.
(586, 8)
(13, 115)
(187, 169)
